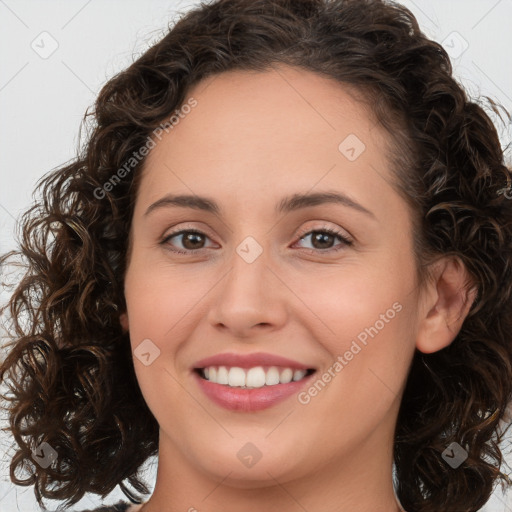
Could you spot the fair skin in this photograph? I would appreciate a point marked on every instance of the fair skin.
(253, 139)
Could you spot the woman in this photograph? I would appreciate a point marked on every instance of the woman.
(283, 264)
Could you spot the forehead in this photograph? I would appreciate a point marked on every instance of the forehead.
(281, 105)
(286, 127)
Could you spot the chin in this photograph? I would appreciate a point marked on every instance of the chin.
(259, 476)
(250, 467)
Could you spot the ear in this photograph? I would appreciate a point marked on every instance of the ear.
(123, 320)
(447, 299)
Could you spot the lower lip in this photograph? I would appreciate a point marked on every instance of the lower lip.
(247, 400)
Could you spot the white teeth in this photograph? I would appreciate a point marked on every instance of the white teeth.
(298, 374)
(222, 375)
(286, 376)
(236, 377)
(255, 377)
(272, 376)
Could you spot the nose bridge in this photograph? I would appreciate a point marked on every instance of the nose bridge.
(248, 295)
(248, 277)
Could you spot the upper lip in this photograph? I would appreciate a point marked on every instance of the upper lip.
(249, 360)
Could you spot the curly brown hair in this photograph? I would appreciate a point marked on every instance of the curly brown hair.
(68, 353)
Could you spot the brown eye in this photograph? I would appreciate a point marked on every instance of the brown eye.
(191, 241)
(323, 240)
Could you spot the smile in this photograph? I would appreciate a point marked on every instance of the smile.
(250, 382)
(250, 378)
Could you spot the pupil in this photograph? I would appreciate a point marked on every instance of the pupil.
(322, 237)
(192, 237)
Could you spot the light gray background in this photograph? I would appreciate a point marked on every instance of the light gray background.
(42, 101)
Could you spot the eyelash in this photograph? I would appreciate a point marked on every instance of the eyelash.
(345, 241)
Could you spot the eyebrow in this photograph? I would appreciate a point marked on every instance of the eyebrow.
(287, 204)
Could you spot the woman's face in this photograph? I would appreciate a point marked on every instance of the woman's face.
(261, 158)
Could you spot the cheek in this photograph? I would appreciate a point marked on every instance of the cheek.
(368, 327)
(370, 332)
(157, 312)
(163, 304)
(374, 293)
(159, 297)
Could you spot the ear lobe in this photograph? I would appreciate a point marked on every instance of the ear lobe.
(449, 299)
(123, 320)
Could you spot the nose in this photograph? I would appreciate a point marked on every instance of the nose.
(250, 299)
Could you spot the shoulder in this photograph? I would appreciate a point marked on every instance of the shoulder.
(118, 507)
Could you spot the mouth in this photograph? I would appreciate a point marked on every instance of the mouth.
(250, 382)
(252, 378)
